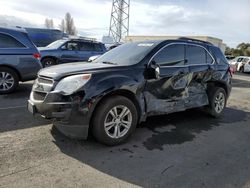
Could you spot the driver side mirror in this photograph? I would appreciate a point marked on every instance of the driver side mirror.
(153, 70)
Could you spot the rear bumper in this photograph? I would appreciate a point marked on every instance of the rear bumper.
(69, 114)
(247, 68)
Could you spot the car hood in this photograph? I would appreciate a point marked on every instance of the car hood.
(59, 71)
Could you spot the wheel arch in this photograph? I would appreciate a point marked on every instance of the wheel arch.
(120, 92)
(52, 57)
(14, 69)
(219, 84)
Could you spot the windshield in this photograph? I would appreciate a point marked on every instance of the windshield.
(56, 44)
(127, 54)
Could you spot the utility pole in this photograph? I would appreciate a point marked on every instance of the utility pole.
(119, 21)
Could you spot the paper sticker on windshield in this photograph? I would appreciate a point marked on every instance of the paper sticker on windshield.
(146, 44)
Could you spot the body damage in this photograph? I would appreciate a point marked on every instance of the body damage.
(176, 89)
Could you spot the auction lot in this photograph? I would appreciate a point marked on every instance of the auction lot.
(186, 149)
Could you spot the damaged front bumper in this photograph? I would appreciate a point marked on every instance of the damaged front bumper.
(70, 114)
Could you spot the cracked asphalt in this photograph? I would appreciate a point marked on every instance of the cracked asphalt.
(186, 149)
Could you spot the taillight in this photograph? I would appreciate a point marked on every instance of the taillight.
(37, 55)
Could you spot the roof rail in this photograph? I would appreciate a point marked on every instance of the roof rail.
(80, 37)
(195, 40)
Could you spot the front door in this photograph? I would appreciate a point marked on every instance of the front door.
(168, 92)
(70, 52)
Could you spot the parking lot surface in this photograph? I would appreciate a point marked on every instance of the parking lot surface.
(186, 149)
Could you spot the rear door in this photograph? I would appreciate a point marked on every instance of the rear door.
(86, 50)
(201, 68)
(167, 93)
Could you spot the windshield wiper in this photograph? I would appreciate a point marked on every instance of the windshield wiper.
(111, 63)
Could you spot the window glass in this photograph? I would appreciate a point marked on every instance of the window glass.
(195, 55)
(98, 47)
(72, 46)
(209, 59)
(86, 46)
(219, 56)
(7, 41)
(171, 55)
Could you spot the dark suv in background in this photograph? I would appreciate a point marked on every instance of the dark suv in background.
(70, 50)
(120, 89)
(19, 59)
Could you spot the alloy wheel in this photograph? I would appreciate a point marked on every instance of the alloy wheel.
(219, 102)
(118, 121)
(6, 81)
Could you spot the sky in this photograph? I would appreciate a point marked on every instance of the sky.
(228, 20)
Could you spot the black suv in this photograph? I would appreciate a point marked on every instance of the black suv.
(19, 58)
(120, 89)
(70, 50)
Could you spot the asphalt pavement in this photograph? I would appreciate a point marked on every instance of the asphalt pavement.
(186, 149)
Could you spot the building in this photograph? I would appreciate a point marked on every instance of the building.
(213, 40)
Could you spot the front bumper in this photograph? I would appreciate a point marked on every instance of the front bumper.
(70, 114)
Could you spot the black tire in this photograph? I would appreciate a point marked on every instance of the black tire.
(47, 62)
(12, 75)
(213, 95)
(103, 112)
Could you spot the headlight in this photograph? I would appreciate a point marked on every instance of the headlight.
(71, 84)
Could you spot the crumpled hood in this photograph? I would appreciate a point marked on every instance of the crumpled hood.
(59, 71)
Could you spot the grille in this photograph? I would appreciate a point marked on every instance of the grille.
(39, 96)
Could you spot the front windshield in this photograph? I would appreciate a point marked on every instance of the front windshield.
(127, 54)
(56, 44)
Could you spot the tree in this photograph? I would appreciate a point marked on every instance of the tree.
(69, 25)
(242, 49)
(49, 24)
(62, 26)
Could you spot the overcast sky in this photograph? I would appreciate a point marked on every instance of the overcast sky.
(225, 19)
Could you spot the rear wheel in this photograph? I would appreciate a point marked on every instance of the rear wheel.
(115, 120)
(47, 62)
(8, 80)
(217, 101)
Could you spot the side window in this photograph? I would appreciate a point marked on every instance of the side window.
(209, 59)
(86, 46)
(195, 55)
(171, 55)
(98, 47)
(72, 46)
(6, 41)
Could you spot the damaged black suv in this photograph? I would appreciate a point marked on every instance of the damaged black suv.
(121, 88)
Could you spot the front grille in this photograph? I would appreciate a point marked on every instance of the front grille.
(39, 96)
(41, 88)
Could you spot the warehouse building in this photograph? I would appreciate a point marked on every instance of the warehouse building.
(215, 41)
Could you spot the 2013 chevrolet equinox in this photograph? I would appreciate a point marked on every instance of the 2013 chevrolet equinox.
(120, 89)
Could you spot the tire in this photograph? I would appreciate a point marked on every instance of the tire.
(47, 62)
(103, 114)
(9, 80)
(217, 101)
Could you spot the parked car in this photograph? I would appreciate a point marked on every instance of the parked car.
(246, 67)
(123, 87)
(237, 63)
(240, 65)
(70, 50)
(19, 59)
(43, 37)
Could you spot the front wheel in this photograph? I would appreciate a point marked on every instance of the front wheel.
(115, 120)
(217, 101)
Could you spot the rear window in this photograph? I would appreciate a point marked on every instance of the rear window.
(7, 41)
(218, 55)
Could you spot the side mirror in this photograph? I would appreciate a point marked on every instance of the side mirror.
(153, 70)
